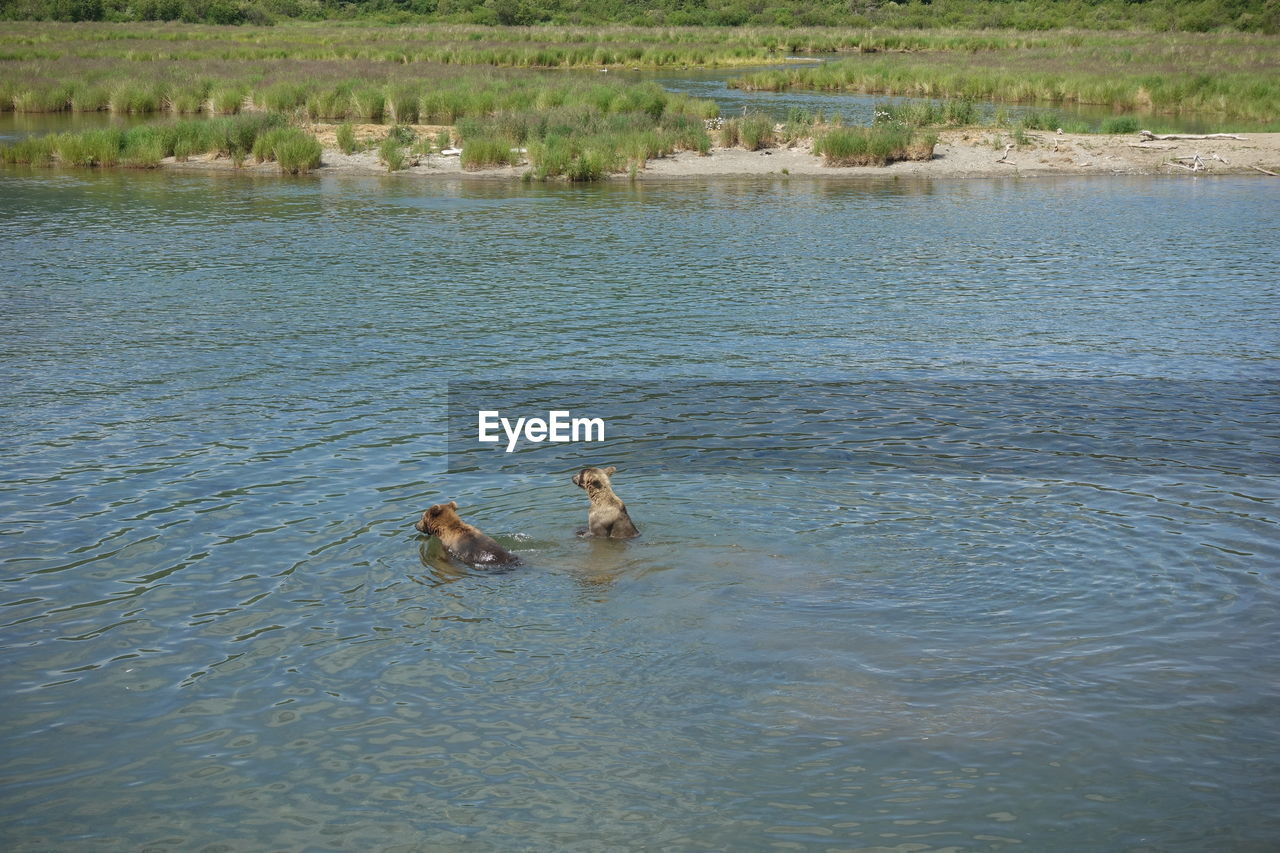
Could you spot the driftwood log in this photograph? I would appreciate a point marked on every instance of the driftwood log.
(1148, 135)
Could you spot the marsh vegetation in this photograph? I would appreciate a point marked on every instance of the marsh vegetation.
(1231, 76)
(264, 137)
(503, 96)
(1034, 15)
(577, 127)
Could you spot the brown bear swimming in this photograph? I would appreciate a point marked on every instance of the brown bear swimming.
(461, 540)
(607, 515)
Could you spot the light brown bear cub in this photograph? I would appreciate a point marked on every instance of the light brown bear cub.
(607, 515)
(461, 540)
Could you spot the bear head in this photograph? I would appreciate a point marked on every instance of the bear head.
(594, 479)
(437, 518)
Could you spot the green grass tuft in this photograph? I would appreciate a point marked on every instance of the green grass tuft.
(346, 134)
(391, 153)
(482, 152)
(1119, 124)
(756, 132)
(873, 146)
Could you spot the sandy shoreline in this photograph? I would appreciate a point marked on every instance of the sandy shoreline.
(973, 153)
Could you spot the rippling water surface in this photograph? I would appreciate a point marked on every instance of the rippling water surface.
(226, 404)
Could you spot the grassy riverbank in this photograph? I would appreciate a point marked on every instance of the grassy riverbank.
(1033, 15)
(1223, 75)
(265, 138)
(582, 127)
(388, 73)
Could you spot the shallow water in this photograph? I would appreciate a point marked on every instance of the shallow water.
(227, 405)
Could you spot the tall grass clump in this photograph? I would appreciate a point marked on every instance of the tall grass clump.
(346, 137)
(293, 148)
(136, 98)
(873, 146)
(480, 152)
(298, 152)
(728, 133)
(390, 153)
(591, 165)
(41, 99)
(189, 98)
(228, 99)
(281, 97)
(551, 157)
(403, 103)
(368, 103)
(33, 150)
(90, 98)
(144, 146)
(756, 132)
(955, 113)
(90, 148)
(1119, 124)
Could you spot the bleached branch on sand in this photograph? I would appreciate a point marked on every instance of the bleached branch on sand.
(1148, 135)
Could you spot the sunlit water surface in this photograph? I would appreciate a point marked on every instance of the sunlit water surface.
(224, 409)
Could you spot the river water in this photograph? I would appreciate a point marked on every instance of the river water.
(996, 569)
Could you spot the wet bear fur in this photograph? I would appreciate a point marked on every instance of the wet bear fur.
(607, 515)
(463, 541)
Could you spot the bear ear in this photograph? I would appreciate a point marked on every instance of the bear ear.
(610, 471)
(453, 504)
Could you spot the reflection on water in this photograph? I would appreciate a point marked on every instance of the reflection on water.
(226, 407)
